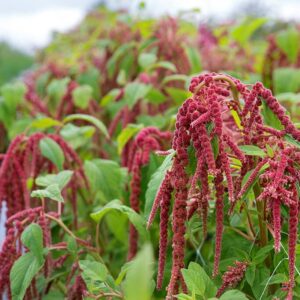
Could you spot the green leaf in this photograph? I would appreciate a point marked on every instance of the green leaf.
(233, 295)
(118, 53)
(248, 174)
(194, 59)
(276, 279)
(178, 95)
(52, 192)
(286, 80)
(126, 134)
(13, 94)
(175, 77)
(135, 91)
(138, 283)
(155, 96)
(45, 123)
(109, 97)
(105, 177)
(193, 281)
(243, 32)
(288, 42)
(252, 150)
(137, 221)
(51, 150)
(146, 59)
(77, 136)
(97, 123)
(155, 182)
(291, 140)
(93, 273)
(123, 272)
(198, 281)
(57, 88)
(92, 78)
(82, 95)
(262, 254)
(32, 238)
(22, 272)
(61, 179)
(250, 274)
(165, 65)
(260, 275)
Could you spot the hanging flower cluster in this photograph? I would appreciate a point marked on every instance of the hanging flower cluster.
(232, 276)
(222, 115)
(12, 248)
(147, 141)
(23, 162)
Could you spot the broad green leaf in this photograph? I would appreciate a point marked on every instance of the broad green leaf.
(72, 245)
(146, 59)
(41, 84)
(123, 272)
(248, 174)
(77, 136)
(52, 192)
(45, 123)
(32, 238)
(198, 281)
(118, 53)
(61, 179)
(51, 150)
(175, 77)
(137, 221)
(138, 283)
(252, 150)
(165, 65)
(288, 96)
(194, 281)
(276, 279)
(82, 95)
(291, 140)
(286, 80)
(155, 182)
(23, 271)
(13, 94)
(135, 91)
(93, 273)
(243, 32)
(105, 177)
(155, 96)
(57, 88)
(250, 274)
(262, 254)
(194, 59)
(288, 42)
(92, 78)
(185, 297)
(260, 275)
(109, 97)
(233, 295)
(126, 134)
(178, 95)
(88, 118)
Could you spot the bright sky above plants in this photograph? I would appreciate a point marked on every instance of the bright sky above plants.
(29, 24)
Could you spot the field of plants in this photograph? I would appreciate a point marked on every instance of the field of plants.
(153, 159)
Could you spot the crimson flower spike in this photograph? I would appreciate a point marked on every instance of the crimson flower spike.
(205, 123)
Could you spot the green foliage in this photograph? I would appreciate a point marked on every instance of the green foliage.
(13, 62)
(138, 284)
(29, 264)
(156, 180)
(51, 150)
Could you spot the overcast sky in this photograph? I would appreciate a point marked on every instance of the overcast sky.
(28, 24)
